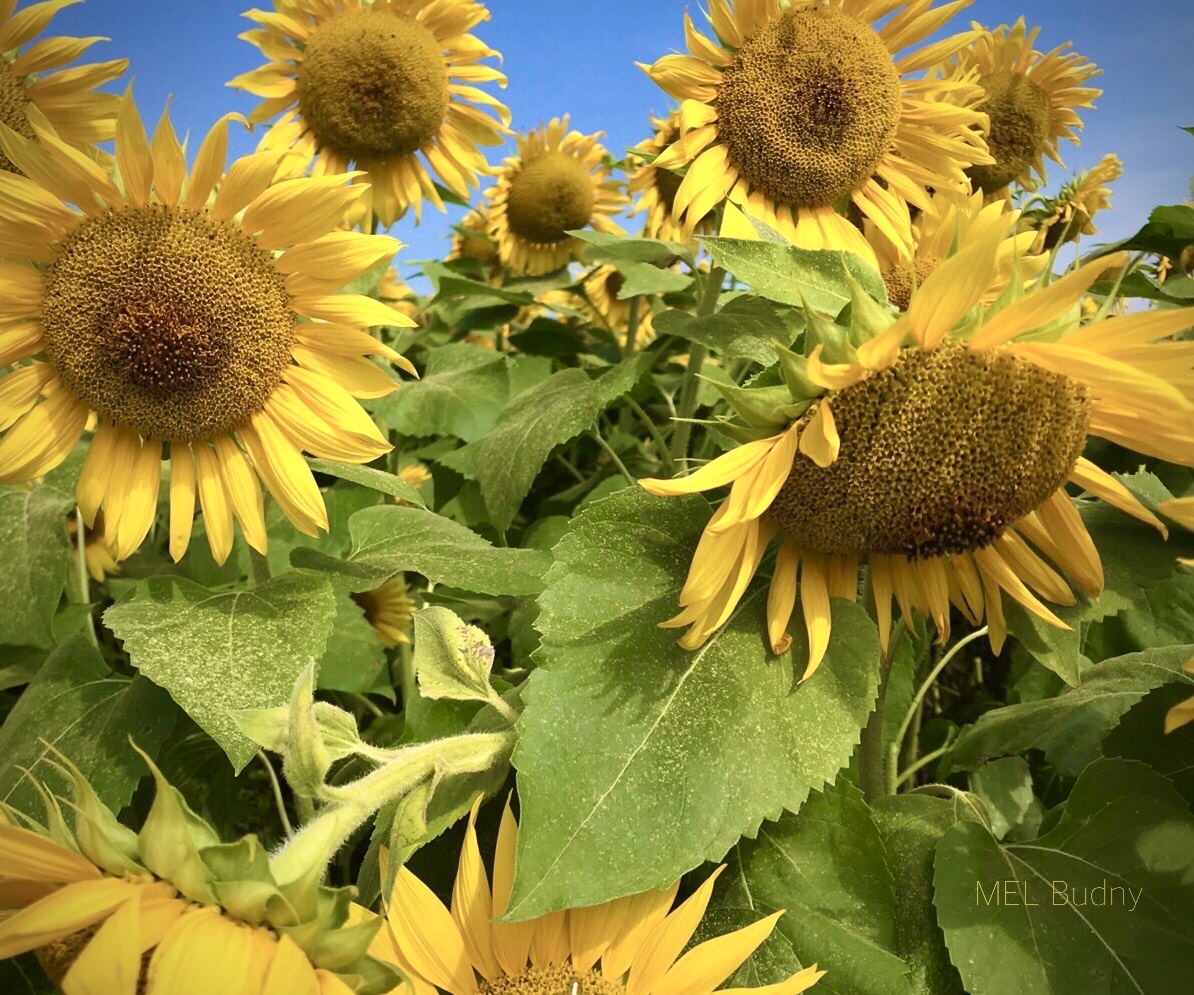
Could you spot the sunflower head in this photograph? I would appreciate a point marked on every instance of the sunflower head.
(558, 182)
(192, 317)
(600, 950)
(795, 111)
(35, 89)
(654, 188)
(1031, 98)
(390, 610)
(387, 85)
(1070, 215)
(935, 448)
(98, 903)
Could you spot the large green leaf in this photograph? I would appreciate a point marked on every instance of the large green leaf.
(367, 476)
(79, 707)
(910, 826)
(744, 329)
(825, 866)
(387, 540)
(461, 393)
(1070, 726)
(217, 652)
(534, 423)
(795, 276)
(1141, 736)
(34, 558)
(1169, 230)
(631, 746)
(1102, 902)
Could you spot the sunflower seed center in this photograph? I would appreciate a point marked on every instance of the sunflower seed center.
(808, 107)
(939, 454)
(550, 195)
(552, 980)
(166, 322)
(373, 85)
(1019, 112)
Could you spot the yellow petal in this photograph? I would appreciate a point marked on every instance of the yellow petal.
(819, 441)
(290, 973)
(723, 470)
(182, 498)
(97, 471)
(213, 500)
(169, 162)
(285, 473)
(205, 952)
(110, 964)
(209, 163)
(781, 596)
(137, 499)
(799, 982)
(351, 309)
(511, 940)
(42, 438)
(663, 946)
(707, 965)
(953, 288)
(1181, 510)
(428, 936)
(1105, 487)
(34, 857)
(244, 492)
(641, 915)
(818, 618)
(472, 904)
(66, 911)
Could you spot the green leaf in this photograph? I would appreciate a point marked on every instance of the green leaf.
(24, 976)
(1169, 230)
(461, 394)
(449, 284)
(1070, 726)
(1102, 902)
(643, 278)
(744, 329)
(1141, 736)
(911, 825)
(220, 651)
(795, 276)
(534, 423)
(367, 476)
(1175, 290)
(354, 659)
(34, 558)
(452, 659)
(630, 745)
(1005, 786)
(388, 540)
(614, 249)
(826, 866)
(76, 705)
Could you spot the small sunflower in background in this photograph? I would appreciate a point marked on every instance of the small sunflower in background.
(390, 85)
(1070, 214)
(653, 189)
(794, 110)
(936, 448)
(170, 316)
(471, 241)
(559, 181)
(171, 909)
(36, 91)
(1032, 100)
(390, 610)
(393, 289)
(601, 289)
(99, 557)
(633, 944)
(953, 219)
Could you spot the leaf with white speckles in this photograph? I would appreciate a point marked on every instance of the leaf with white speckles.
(638, 760)
(34, 557)
(217, 652)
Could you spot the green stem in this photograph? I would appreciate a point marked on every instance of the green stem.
(690, 386)
(924, 761)
(78, 591)
(631, 328)
(665, 454)
(563, 461)
(918, 700)
(596, 437)
(260, 567)
(276, 787)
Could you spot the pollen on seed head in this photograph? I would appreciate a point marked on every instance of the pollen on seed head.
(552, 980)
(166, 322)
(1019, 111)
(14, 99)
(809, 105)
(939, 454)
(903, 278)
(372, 85)
(550, 195)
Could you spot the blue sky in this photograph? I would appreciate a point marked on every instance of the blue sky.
(577, 56)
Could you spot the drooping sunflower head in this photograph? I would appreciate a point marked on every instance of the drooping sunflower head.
(195, 318)
(171, 909)
(471, 241)
(36, 90)
(935, 447)
(380, 84)
(632, 943)
(1031, 98)
(1070, 214)
(390, 610)
(654, 188)
(556, 183)
(796, 110)
(953, 219)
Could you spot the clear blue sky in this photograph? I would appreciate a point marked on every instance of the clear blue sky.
(578, 56)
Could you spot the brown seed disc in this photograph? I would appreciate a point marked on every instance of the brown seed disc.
(550, 195)
(1019, 111)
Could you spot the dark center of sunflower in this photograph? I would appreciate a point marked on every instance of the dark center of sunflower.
(373, 85)
(808, 107)
(552, 980)
(939, 454)
(166, 321)
(903, 278)
(550, 195)
(14, 99)
(1019, 112)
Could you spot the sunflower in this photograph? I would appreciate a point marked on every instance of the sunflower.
(171, 910)
(399, 294)
(63, 101)
(380, 83)
(798, 109)
(557, 182)
(170, 316)
(630, 944)
(390, 610)
(471, 240)
(1031, 99)
(953, 219)
(1070, 214)
(654, 189)
(936, 447)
